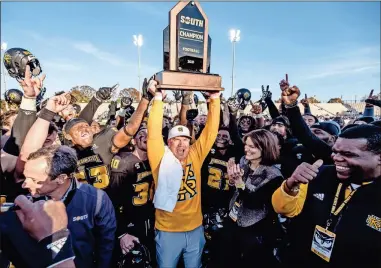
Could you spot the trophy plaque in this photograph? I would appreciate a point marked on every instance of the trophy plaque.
(187, 51)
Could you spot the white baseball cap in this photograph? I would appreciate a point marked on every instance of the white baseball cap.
(179, 131)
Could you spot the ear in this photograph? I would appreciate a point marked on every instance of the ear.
(61, 179)
(67, 136)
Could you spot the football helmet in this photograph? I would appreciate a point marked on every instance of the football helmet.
(13, 96)
(126, 102)
(139, 256)
(243, 97)
(16, 60)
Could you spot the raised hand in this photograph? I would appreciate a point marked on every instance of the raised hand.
(256, 108)
(105, 93)
(266, 93)
(152, 88)
(233, 104)
(187, 97)
(58, 103)
(177, 95)
(284, 83)
(304, 101)
(146, 94)
(210, 94)
(304, 173)
(289, 94)
(369, 101)
(32, 86)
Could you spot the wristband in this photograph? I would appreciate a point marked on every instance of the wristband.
(294, 189)
(56, 248)
(125, 132)
(291, 105)
(28, 104)
(240, 186)
(47, 115)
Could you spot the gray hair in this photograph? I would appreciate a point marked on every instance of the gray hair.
(60, 160)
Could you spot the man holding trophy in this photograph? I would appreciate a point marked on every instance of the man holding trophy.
(176, 169)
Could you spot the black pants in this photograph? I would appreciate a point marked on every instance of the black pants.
(243, 247)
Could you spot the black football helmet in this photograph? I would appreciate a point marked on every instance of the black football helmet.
(13, 97)
(126, 102)
(243, 97)
(138, 257)
(16, 60)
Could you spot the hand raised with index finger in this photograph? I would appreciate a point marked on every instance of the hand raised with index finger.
(32, 85)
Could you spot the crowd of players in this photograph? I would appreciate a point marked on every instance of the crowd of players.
(218, 190)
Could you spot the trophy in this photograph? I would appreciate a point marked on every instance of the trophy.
(187, 51)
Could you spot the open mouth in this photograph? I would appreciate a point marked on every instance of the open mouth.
(342, 168)
(85, 135)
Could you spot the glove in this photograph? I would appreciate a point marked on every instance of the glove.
(192, 114)
(177, 95)
(371, 102)
(104, 93)
(125, 102)
(145, 93)
(266, 94)
(187, 97)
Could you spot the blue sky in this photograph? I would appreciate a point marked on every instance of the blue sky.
(328, 49)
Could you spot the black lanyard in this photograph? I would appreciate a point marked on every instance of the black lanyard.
(334, 211)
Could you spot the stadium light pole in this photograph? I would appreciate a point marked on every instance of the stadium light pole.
(138, 41)
(3, 48)
(234, 38)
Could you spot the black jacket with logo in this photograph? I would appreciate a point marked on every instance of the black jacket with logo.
(357, 227)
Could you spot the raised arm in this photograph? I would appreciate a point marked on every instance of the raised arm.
(39, 131)
(209, 134)
(125, 134)
(185, 106)
(155, 142)
(27, 112)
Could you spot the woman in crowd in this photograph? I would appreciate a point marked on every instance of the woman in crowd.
(246, 238)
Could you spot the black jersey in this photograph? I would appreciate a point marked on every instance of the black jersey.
(131, 191)
(216, 192)
(93, 165)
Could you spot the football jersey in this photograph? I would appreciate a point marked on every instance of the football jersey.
(131, 190)
(93, 164)
(216, 192)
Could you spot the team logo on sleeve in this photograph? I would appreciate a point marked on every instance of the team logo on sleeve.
(188, 184)
(374, 222)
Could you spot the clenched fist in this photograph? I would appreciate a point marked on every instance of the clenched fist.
(304, 173)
